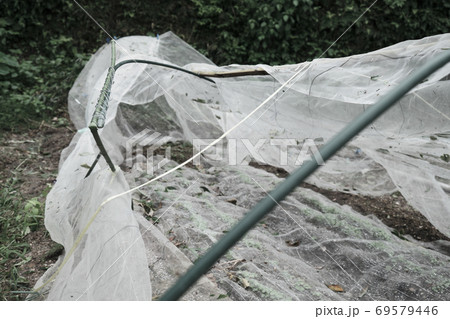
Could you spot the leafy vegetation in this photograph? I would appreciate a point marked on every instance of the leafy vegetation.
(34, 80)
(45, 43)
(16, 221)
(291, 31)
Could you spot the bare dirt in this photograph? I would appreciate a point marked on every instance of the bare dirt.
(32, 157)
(392, 209)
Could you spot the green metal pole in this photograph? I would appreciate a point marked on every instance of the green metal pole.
(267, 204)
(102, 149)
(99, 116)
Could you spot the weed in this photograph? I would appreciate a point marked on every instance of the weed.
(16, 221)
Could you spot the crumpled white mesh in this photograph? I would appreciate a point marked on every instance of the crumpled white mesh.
(110, 262)
(401, 151)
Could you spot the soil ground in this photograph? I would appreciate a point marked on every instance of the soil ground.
(32, 157)
(392, 209)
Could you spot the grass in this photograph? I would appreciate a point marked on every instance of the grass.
(28, 161)
(17, 219)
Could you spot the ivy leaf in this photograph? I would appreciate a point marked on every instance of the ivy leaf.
(4, 70)
(8, 60)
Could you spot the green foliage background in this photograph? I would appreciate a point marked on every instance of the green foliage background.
(44, 44)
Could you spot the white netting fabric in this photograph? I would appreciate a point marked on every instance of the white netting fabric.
(404, 150)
